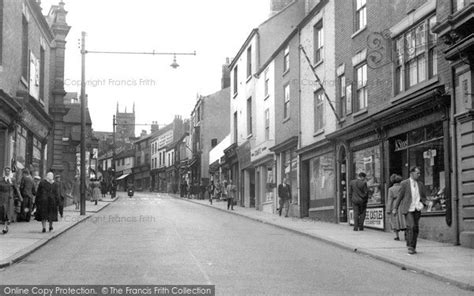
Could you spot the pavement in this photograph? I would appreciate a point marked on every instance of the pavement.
(23, 238)
(445, 262)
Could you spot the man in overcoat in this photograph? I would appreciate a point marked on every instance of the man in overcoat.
(359, 195)
(284, 193)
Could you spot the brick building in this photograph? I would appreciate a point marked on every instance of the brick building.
(391, 95)
(31, 85)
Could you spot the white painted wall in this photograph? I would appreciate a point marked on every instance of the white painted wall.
(326, 72)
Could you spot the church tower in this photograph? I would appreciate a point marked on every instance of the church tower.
(125, 124)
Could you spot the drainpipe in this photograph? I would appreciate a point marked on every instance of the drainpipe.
(298, 173)
(454, 163)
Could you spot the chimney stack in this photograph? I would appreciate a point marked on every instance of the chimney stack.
(225, 80)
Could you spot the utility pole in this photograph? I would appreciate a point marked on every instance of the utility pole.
(83, 125)
(114, 186)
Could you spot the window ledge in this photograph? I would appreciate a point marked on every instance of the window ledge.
(358, 32)
(318, 132)
(248, 79)
(266, 97)
(286, 72)
(318, 63)
(234, 95)
(414, 89)
(358, 113)
(342, 119)
(249, 136)
(285, 119)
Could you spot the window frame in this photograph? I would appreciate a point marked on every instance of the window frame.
(286, 101)
(236, 79)
(286, 59)
(267, 124)
(416, 53)
(249, 116)
(249, 62)
(318, 104)
(361, 86)
(342, 95)
(360, 11)
(318, 42)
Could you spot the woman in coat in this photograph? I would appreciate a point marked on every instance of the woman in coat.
(6, 197)
(47, 200)
(95, 188)
(397, 220)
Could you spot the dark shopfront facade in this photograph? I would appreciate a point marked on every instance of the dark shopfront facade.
(392, 141)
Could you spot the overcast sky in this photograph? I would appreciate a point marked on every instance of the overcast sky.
(215, 29)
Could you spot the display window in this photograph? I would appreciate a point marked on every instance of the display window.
(368, 161)
(290, 171)
(269, 194)
(322, 177)
(423, 147)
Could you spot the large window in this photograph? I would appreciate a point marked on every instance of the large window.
(286, 59)
(286, 104)
(236, 137)
(318, 110)
(322, 180)
(360, 15)
(416, 56)
(361, 78)
(422, 147)
(318, 42)
(368, 161)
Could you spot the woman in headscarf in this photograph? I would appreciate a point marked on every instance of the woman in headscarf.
(47, 200)
(6, 197)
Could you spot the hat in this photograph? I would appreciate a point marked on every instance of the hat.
(37, 177)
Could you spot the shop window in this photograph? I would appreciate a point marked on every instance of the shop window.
(269, 183)
(289, 171)
(368, 161)
(423, 147)
(322, 180)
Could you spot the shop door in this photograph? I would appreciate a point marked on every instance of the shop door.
(343, 193)
(252, 187)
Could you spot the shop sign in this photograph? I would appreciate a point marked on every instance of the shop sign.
(374, 218)
(259, 152)
(34, 124)
(401, 144)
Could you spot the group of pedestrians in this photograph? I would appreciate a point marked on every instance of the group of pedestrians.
(406, 199)
(41, 199)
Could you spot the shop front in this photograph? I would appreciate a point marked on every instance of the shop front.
(318, 181)
(246, 183)
(230, 166)
(141, 176)
(287, 167)
(392, 142)
(265, 177)
(366, 157)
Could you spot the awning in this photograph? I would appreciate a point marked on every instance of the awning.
(122, 177)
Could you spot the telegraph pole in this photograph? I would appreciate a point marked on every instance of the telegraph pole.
(114, 188)
(83, 125)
